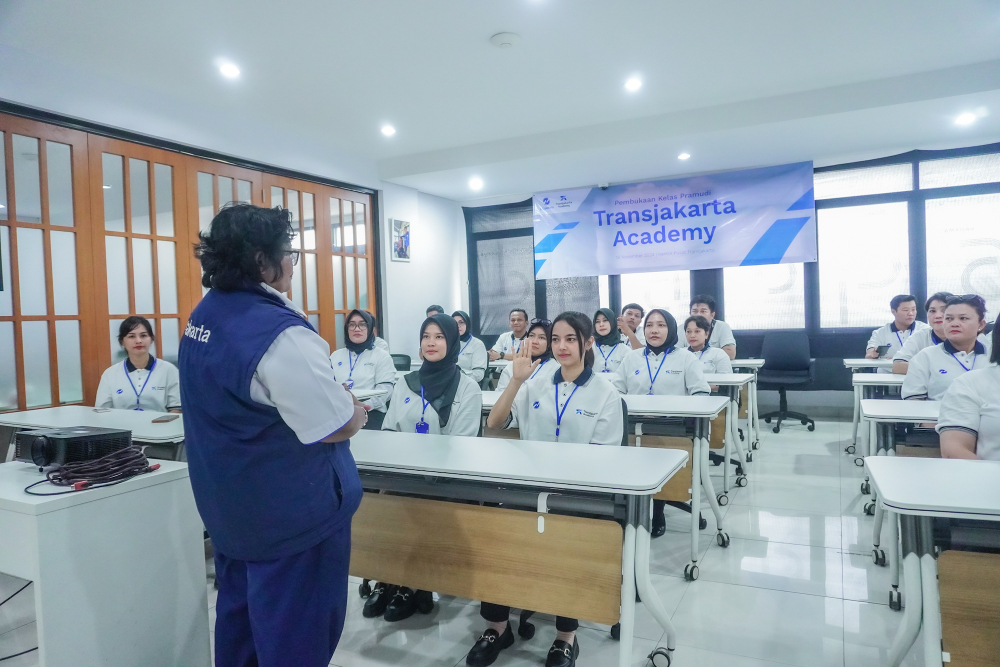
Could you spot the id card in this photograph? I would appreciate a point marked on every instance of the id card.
(423, 427)
(349, 384)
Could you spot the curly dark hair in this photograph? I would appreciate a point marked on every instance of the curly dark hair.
(228, 249)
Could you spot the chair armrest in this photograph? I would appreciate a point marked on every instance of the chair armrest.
(812, 370)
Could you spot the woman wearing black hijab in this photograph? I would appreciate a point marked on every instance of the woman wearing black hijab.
(362, 365)
(436, 399)
(472, 357)
(608, 342)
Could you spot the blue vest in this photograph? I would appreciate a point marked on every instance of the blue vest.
(261, 493)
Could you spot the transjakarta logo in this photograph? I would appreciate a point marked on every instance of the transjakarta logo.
(535, 406)
(656, 215)
(407, 400)
(200, 334)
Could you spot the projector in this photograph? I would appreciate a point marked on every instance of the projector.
(57, 446)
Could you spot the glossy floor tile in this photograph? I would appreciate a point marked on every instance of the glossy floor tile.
(776, 566)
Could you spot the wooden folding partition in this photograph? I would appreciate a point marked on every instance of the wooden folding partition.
(970, 607)
(678, 487)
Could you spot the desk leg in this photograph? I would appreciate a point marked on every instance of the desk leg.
(930, 594)
(698, 444)
(893, 555)
(753, 415)
(734, 431)
(647, 593)
(857, 413)
(628, 582)
(909, 627)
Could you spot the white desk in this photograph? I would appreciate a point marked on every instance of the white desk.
(856, 366)
(753, 412)
(118, 572)
(365, 394)
(919, 489)
(732, 382)
(635, 473)
(864, 384)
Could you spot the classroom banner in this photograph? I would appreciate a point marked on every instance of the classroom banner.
(736, 218)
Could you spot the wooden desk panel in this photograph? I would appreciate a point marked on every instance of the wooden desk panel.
(678, 487)
(970, 607)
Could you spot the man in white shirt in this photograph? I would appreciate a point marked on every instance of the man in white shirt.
(721, 335)
(895, 333)
(510, 342)
(630, 325)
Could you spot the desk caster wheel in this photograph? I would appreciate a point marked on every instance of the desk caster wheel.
(767, 420)
(749, 457)
(365, 589)
(722, 539)
(702, 522)
(878, 557)
(850, 449)
(866, 488)
(739, 470)
(860, 462)
(656, 658)
(870, 509)
(776, 429)
(895, 600)
(741, 481)
(755, 445)
(741, 435)
(616, 631)
(723, 499)
(690, 572)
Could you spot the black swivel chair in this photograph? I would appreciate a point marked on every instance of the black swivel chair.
(786, 363)
(401, 361)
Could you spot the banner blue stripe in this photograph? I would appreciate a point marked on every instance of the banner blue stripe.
(538, 265)
(566, 225)
(549, 243)
(804, 202)
(771, 247)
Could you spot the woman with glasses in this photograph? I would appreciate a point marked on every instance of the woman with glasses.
(472, 357)
(362, 365)
(611, 349)
(537, 341)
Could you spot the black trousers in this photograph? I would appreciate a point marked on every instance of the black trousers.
(495, 613)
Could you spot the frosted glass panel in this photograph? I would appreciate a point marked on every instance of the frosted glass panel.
(963, 247)
(114, 192)
(206, 202)
(850, 297)
(138, 181)
(296, 292)
(960, 171)
(338, 283)
(8, 371)
(277, 197)
(335, 224)
(308, 221)
(164, 183)
(771, 296)
(3, 196)
(142, 272)
(312, 298)
(362, 283)
(68, 351)
(293, 206)
(35, 343)
(351, 297)
(243, 191)
(31, 271)
(6, 302)
(359, 226)
(60, 171)
(64, 273)
(314, 320)
(225, 190)
(662, 289)
(118, 353)
(338, 325)
(348, 227)
(27, 184)
(168, 340)
(865, 181)
(166, 268)
(114, 248)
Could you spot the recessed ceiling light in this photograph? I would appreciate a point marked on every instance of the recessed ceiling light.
(476, 183)
(967, 118)
(633, 84)
(505, 40)
(388, 130)
(107, 187)
(683, 156)
(229, 70)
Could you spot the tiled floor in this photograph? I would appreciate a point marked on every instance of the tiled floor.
(797, 585)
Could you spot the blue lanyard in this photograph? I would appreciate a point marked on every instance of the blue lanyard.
(422, 426)
(462, 351)
(560, 413)
(974, 355)
(353, 364)
(652, 378)
(599, 349)
(935, 339)
(138, 394)
(899, 339)
(544, 361)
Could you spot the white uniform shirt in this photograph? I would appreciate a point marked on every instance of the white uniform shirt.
(372, 369)
(381, 344)
(547, 368)
(472, 358)
(507, 343)
(894, 338)
(607, 358)
(407, 408)
(295, 376)
(125, 387)
(590, 407)
(713, 360)
(925, 338)
(722, 335)
(972, 403)
(933, 370)
(674, 373)
(638, 334)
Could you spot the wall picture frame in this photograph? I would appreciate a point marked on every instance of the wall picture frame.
(400, 251)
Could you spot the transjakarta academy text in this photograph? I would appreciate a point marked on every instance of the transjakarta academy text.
(656, 215)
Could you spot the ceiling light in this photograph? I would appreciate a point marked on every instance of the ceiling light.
(476, 183)
(505, 40)
(229, 70)
(107, 187)
(683, 156)
(967, 118)
(388, 130)
(633, 84)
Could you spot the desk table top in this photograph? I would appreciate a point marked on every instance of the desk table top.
(140, 422)
(729, 379)
(937, 487)
(878, 379)
(881, 410)
(868, 363)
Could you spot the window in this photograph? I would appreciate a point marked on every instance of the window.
(865, 181)
(960, 171)
(963, 247)
(771, 296)
(664, 289)
(863, 263)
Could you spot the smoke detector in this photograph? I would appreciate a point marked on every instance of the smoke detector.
(505, 40)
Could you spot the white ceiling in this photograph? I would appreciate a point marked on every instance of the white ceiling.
(735, 84)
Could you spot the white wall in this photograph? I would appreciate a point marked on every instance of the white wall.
(437, 271)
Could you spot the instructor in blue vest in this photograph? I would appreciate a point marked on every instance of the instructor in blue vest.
(268, 451)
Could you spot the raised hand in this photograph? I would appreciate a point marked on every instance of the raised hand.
(522, 366)
(623, 326)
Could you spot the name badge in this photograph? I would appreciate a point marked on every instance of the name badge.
(138, 409)
(423, 427)
(349, 384)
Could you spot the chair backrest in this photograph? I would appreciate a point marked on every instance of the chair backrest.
(786, 351)
(625, 442)
(401, 361)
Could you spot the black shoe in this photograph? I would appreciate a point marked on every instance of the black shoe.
(377, 602)
(406, 601)
(485, 651)
(562, 654)
(659, 525)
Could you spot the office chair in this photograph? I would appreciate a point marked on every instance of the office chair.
(786, 363)
(401, 361)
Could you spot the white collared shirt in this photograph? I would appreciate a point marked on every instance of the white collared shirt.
(889, 335)
(407, 409)
(590, 407)
(381, 344)
(472, 358)
(713, 360)
(924, 338)
(372, 369)
(607, 358)
(507, 343)
(722, 335)
(972, 404)
(933, 369)
(674, 373)
(638, 334)
(547, 368)
(156, 387)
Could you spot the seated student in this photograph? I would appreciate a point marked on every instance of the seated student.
(439, 399)
(895, 333)
(361, 365)
(721, 335)
(379, 342)
(628, 325)
(933, 369)
(434, 310)
(713, 360)
(932, 335)
(472, 358)
(969, 421)
(608, 342)
(537, 342)
(660, 368)
(141, 382)
(509, 342)
(575, 404)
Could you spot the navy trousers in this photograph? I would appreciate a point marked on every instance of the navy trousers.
(287, 612)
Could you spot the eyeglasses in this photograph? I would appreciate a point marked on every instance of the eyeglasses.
(357, 326)
(294, 254)
(535, 322)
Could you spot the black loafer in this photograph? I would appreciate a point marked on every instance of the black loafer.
(486, 650)
(406, 601)
(562, 654)
(659, 525)
(377, 602)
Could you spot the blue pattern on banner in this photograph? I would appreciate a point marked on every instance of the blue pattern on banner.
(538, 265)
(771, 247)
(804, 202)
(549, 242)
(566, 225)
